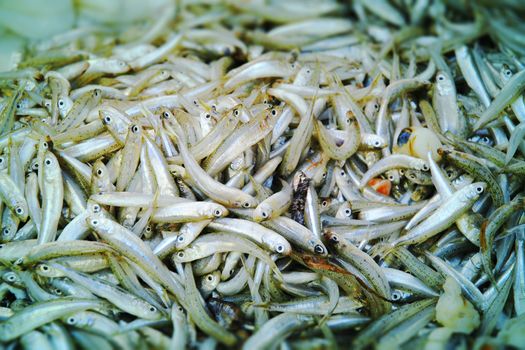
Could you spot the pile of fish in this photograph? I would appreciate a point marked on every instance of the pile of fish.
(268, 175)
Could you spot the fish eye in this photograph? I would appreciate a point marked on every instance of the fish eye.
(107, 119)
(96, 208)
(180, 238)
(6, 231)
(47, 104)
(195, 102)
(507, 72)
(412, 176)
(264, 214)
(342, 173)
(401, 172)
(99, 172)
(152, 309)
(334, 238)
(209, 278)
(479, 189)
(18, 106)
(274, 112)
(425, 167)
(11, 278)
(181, 309)
(180, 254)
(48, 161)
(166, 115)
(377, 143)
(319, 249)
(324, 175)
(45, 145)
(207, 116)
(2, 245)
(134, 129)
(391, 177)
(94, 222)
(324, 203)
(246, 204)
(440, 77)
(376, 106)
(396, 296)
(217, 212)
(148, 228)
(61, 103)
(236, 112)
(19, 210)
(71, 320)
(348, 212)
(44, 267)
(404, 136)
(279, 248)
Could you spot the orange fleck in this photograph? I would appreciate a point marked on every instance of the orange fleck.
(381, 185)
(313, 164)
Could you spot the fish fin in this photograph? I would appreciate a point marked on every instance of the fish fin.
(382, 249)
